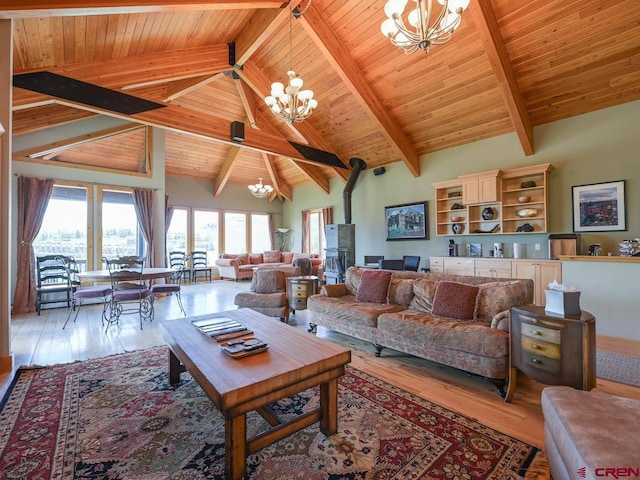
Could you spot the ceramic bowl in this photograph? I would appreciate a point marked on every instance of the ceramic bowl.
(527, 212)
(524, 199)
(457, 219)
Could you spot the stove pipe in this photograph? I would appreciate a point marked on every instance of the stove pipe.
(357, 165)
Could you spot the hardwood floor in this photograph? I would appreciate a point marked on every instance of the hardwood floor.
(40, 340)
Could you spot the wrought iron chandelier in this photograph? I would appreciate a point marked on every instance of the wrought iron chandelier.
(260, 190)
(427, 27)
(290, 103)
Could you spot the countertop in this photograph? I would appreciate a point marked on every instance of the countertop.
(601, 258)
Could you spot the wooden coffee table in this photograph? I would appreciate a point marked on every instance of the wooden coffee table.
(294, 362)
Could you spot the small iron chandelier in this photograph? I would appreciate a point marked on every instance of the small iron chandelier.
(290, 103)
(260, 190)
(426, 31)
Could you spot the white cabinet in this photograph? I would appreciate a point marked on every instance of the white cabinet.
(542, 272)
(436, 264)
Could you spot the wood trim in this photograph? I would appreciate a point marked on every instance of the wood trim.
(225, 172)
(601, 258)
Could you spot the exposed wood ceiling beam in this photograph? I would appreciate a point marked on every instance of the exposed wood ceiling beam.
(489, 32)
(225, 171)
(247, 99)
(337, 55)
(44, 117)
(283, 189)
(315, 175)
(257, 30)
(57, 147)
(43, 8)
(178, 89)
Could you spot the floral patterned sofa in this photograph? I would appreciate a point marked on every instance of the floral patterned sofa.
(460, 321)
(241, 266)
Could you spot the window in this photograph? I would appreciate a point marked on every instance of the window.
(64, 227)
(260, 233)
(205, 232)
(177, 231)
(235, 232)
(316, 233)
(120, 232)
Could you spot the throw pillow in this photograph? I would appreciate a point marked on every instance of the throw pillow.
(272, 256)
(374, 286)
(255, 258)
(243, 259)
(424, 290)
(455, 300)
(287, 257)
(269, 280)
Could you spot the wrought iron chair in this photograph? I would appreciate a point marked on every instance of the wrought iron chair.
(52, 277)
(173, 285)
(80, 293)
(128, 288)
(411, 263)
(200, 266)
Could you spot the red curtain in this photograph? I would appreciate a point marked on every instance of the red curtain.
(33, 200)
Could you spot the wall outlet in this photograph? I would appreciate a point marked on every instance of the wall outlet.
(537, 246)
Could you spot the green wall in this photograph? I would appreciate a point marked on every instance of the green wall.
(596, 147)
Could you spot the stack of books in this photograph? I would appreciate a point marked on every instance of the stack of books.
(221, 328)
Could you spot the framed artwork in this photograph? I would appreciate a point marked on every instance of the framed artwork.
(475, 249)
(407, 222)
(599, 207)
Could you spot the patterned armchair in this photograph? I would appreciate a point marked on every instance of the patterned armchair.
(268, 292)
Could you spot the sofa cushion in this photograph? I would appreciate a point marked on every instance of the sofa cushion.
(352, 280)
(272, 256)
(346, 309)
(496, 297)
(374, 286)
(287, 257)
(268, 280)
(401, 291)
(424, 289)
(456, 300)
(243, 259)
(255, 258)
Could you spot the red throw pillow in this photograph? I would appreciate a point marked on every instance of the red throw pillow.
(374, 286)
(455, 300)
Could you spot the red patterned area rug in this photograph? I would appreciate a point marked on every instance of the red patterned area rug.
(117, 418)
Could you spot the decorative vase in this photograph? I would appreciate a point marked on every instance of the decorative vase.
(487, 213)
(457, 228)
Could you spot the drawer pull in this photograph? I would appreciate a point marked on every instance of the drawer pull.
(535, 347)
(536, 332)
(535, 360)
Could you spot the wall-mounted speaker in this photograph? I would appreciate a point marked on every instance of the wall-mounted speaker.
(237, 131)
(379, 171)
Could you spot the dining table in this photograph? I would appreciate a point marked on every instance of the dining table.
(151, 273)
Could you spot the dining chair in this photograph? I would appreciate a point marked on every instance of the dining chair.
(128, 288)
(52, 278)
(390, 264)
(80, 293)
(200, 265)
(178, 261)
(173, 285)
(410, 263)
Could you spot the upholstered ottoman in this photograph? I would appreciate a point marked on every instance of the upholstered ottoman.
(587, 433)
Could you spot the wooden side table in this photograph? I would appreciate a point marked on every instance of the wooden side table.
(299, 289)
(553, 350)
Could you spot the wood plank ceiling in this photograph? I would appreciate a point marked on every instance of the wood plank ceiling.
(511, 65)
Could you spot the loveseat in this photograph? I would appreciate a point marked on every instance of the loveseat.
(460, 321)
(241, 266)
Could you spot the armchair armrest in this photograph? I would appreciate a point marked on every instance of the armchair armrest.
(336, 290)
(501, 321)
(227, 262)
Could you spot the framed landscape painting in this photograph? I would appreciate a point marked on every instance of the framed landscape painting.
(407, 222)
(599, 207)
